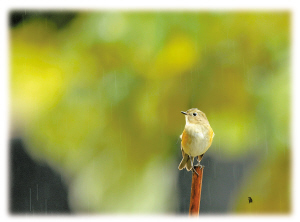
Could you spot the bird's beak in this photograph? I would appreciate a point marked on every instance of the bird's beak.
(184, 113)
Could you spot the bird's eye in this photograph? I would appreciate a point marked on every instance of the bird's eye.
(194, 114)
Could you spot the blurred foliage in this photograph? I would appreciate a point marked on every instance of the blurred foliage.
(99, 99)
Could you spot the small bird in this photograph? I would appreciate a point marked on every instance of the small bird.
(196, 138)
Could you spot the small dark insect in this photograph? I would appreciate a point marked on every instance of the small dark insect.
(250, 199)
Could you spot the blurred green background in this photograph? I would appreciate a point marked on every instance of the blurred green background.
(97, 97)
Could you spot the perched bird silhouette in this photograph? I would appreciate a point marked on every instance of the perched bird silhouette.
(196, 138)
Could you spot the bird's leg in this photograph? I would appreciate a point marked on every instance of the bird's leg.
(193, 168)
(195, 171)
(199, 159)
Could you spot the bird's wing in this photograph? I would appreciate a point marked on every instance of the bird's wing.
(182, 151)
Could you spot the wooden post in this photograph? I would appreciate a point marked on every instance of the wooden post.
(196, 191)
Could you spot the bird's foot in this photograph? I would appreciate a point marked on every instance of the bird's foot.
(198, 164)
(195, 171)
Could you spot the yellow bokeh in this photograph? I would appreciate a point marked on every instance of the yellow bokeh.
(99, 100)
(176, 57)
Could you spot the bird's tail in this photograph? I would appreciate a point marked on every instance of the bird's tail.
(185, 162)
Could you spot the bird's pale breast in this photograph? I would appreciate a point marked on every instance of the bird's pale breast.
(196, 140)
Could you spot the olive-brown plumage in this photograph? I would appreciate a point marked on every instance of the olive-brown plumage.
(196, 137)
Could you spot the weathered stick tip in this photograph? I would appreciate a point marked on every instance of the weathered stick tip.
(199, 166)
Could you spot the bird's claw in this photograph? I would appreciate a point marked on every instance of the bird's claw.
(195, 171)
